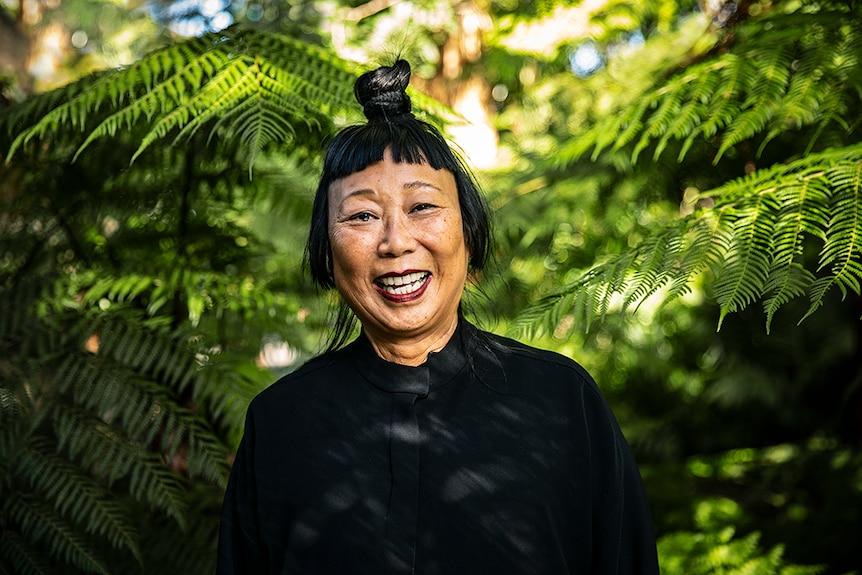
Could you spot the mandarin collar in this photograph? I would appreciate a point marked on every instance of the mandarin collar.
(463, 348)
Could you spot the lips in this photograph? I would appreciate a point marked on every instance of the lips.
(403, 287)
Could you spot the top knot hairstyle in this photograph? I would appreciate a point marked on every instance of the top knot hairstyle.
(391, 124)
(383, 92)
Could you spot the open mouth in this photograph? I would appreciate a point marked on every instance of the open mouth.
(404, 285)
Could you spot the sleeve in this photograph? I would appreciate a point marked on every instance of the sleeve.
(623, 532)
(240, 551)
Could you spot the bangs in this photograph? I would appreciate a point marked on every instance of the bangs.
(410, 140)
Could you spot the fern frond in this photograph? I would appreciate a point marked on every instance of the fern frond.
(21, 555)
(842, 248)
(766, 87)
(690, 115)
(229, 408)
(39, 524)
(804, 210)
(169, 359)
(704, 242)
(118, 289)
(784, 72)
(751, 241)
(111, 456)
(259, 85)
(146, 414)
(76, 495)
(745, 265)
(147, 352)
(803, 104)
(659, 122)
(660, 250)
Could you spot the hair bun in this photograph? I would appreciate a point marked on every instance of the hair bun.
(382, 92)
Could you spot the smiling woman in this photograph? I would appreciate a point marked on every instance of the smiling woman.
(399, 256)
(394, 135)
(425, 445)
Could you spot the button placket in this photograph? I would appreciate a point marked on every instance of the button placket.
(404, 453)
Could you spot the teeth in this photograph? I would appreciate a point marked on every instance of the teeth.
(403, 280)
(401, 285)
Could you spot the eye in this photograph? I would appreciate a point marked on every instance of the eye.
(361, 217)
(422, 207)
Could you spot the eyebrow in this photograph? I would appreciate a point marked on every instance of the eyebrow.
(359, 192)
(420, 184)
(415, 184)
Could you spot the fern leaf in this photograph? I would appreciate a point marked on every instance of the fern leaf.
(39, 523)
(187, 86)
(659, 121)
(802, 105)
(751, 241)
(804, 210)
(648, 277)
(798, 74)
(117, 289)
(231, 85)
(690, 115)
(785, 281)
(76, 495)
(704, 243)
(112, 456)
(746, 265)
(20, 553)
(767, 87)
(842, 249)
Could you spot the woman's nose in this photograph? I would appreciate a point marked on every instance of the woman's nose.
(397, 237)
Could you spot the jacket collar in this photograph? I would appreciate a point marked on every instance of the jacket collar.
(468, 348)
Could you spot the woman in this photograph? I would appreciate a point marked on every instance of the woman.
(425, 445)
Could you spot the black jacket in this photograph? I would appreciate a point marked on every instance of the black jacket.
(491, 458)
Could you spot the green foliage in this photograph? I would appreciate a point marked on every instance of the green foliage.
(93, 412)
(715, 550)
(751, 238)
(790, 76)
(253, 87)
(782, 72)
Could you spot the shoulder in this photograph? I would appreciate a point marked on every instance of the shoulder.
(558, 385)
(513, 353)
(316, 375)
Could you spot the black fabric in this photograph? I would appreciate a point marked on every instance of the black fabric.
(490, 458)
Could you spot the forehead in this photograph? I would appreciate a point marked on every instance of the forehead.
(388, 177)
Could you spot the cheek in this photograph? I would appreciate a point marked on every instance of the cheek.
(346, 256)
(457, 245)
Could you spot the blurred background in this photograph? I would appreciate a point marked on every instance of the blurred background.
(677, 193)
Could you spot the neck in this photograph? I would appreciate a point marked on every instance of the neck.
(411, 351)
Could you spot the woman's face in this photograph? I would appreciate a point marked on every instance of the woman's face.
(398, 250)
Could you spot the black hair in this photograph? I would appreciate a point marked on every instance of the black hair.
(392, 125)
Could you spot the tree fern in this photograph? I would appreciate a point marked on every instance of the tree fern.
(745, 265)
(783, 71)
(112, 456)
(791, 74)
(255, 87)
(751, 239)
(42, 525)
(843, 243)
(130, 306)
(74, 494)
(84, 433)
